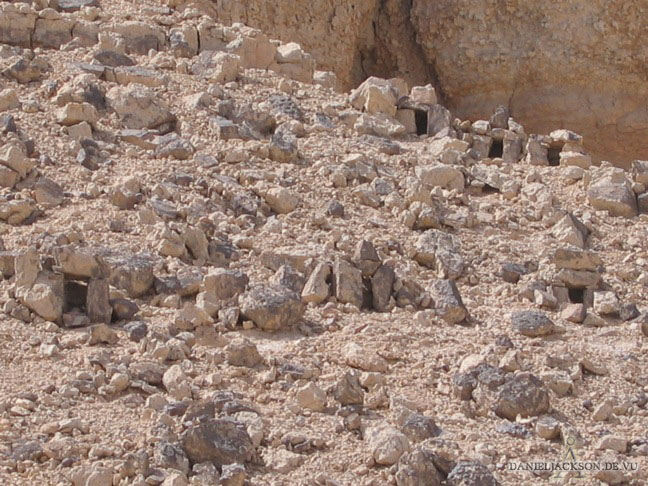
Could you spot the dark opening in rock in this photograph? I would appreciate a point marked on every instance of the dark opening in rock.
(553, 155)
(576, 296)
(421, 118)
(497, 149)
(76, 294)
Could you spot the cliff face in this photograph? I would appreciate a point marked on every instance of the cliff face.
(578, 63)
(354, 38)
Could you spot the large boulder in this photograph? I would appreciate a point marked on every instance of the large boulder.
(616, 199)
(447, 301)
(138, 107)
(440, 251)
(219, 441)
(272, 308)
(524, 395)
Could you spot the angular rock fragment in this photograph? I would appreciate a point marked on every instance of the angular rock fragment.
(281, 200)
(348, 286)
(138, 107)
(312, 397)
(98, 305)
(348, 391)
(447, 301)
(616, 198)
(45, 296)
(570, 230)
(14, 158)
(440, 251)
(271, 308)
(382, 282)
(471, 473)
(224, 284)
(523, 395)
(242, 352)
(219, 441)
(316, 289)
(48, 193)
(74, 113)
(532, 323)
(441, 175)
(386, 444)
(175, 147)
(218, 67)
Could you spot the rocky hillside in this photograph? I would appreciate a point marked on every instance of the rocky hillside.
(572, 64)
(219, 268)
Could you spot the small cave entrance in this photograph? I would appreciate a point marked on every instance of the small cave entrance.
(576, 296)
(496, 150)
(421, 119)
(76, 294)
(553, 156)
(487, 189)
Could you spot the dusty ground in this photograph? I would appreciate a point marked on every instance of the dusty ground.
(49, 399)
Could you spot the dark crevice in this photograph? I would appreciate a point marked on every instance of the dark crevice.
(576, 296)
(421, 119)
(553, 156)
(384, 60)
(496, 150)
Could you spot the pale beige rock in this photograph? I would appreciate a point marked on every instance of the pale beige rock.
(281, 200)
(14, 158)
(424, 94)
(9, 100)
(606, 302)
(616, 198)
(386, 444)
(45, 297)
(80, 131)
(312, 397)
(347, 283)
(139, 107)
(375, 95)
(358, 357)
(74, 113)
(316, 289)
(407, 118)
(218, 67)
(140, 37)
(567, 230)
(441, 175)
(176, 382)
(255, 49)
(444, 144)
(575, 159)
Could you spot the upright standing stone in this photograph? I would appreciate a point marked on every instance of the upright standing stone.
(98, 305)
(381, 287)
(348, 284)
(317, 289)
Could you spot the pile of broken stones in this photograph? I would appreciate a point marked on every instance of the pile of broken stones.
(291, 285)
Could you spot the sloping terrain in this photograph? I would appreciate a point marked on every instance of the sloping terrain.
(577, 64)
(219, 269)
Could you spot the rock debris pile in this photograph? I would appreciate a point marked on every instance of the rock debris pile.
(217, 269)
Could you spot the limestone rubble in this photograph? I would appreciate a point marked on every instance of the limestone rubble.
(218, 267)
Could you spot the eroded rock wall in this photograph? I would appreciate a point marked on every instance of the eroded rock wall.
(579, 64)
(354, 38)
